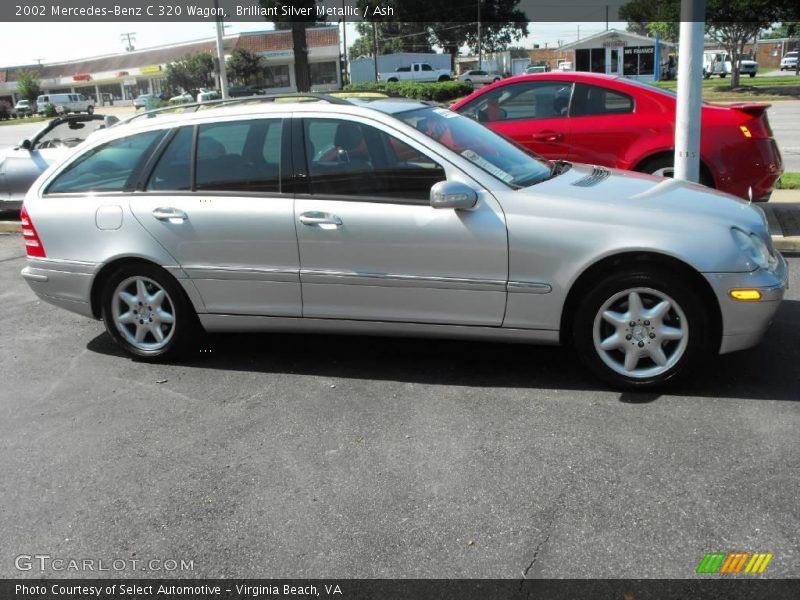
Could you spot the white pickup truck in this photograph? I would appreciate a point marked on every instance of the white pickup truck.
(416, 72)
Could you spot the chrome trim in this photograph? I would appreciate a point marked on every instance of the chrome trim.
(66, 266)
(398, 280)
(241, 273)
(221, 322)
(527, 287)
(26, 274)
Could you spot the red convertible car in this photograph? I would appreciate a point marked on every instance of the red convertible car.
(622, 123)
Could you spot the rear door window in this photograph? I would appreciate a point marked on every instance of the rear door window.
(111, 167)
(240, 156)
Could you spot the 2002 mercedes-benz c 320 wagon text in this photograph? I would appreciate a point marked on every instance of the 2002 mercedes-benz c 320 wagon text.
(392, 217)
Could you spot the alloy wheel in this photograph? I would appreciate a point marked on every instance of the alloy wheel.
(143, 313)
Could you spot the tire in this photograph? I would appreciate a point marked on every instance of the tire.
(443, 78)
(90, 110)
(392, 80)
(752, 75)
(133, 306)
(663, 166)
(723, 75)
(669, 337)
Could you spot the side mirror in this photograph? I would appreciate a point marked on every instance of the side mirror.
(26, 145)
(453, 194)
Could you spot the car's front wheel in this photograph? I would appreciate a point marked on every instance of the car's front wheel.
(147, 313)
(639, 329)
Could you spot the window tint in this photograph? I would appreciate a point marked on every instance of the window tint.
(240, 156)
(426, 67)
(107, 168)
(351, 159)
(173, 171)
(529, 100)
(594, 100)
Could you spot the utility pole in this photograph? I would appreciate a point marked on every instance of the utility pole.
(223, 73)
(606, 17)
(480, 55)
(130, 37)
(690, 90)
(344, 36)
(375, 47)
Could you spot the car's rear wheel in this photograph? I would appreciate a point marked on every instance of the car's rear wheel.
(90, 110)
(664, 166)
(752, 74)
(640, 328)
(147, 313)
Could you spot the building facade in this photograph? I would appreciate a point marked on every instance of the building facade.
(119, 78)
(619, 53)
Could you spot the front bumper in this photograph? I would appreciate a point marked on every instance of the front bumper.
(745, 322)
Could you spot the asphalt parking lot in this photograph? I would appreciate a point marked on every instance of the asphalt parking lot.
(312, 456)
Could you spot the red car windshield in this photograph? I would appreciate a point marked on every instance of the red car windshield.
(487, 150)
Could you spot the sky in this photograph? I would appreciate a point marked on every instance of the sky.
(26, 43)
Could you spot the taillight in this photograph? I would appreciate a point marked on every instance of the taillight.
(33, 245)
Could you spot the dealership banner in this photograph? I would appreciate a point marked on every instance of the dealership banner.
(333, 11)
(388, 589)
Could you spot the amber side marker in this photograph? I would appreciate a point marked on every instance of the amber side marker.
(745, 294)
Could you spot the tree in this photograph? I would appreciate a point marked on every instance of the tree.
(392, 37)
(191, 72)
(732, 23)
(786, 29)
(28, 85)
(244, 66)
(298, 24)
(501, 22)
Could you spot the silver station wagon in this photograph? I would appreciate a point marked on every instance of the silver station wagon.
(395, 217)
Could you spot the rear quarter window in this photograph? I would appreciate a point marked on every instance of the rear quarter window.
(110, 167)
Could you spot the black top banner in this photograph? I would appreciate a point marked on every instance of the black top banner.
(714, 588)
(332, 11)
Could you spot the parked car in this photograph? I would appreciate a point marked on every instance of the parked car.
(181, 98)
(145, 101)
(23, 108)
(719, 63)
(22, 164)
(789, 61)
(68, 103)
(614, 122)
(204, 94)
(416, 72)
(389, 216)
(479, 76)
(536, 69)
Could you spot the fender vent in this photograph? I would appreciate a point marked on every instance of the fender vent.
(597, 175)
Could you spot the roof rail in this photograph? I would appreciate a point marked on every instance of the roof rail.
(195, 106)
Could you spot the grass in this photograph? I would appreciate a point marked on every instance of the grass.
(21, 121)
(789, 181)
(785, 87)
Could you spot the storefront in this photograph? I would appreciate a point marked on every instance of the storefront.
(122, 77)
(620, 53)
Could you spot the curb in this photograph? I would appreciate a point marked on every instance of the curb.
(786, 244)
(10, 227)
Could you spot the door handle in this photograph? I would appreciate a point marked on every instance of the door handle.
(319, 218)
(548, 136)
(170, 214)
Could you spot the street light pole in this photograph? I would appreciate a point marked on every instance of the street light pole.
(690, 90)
(480, 55)
(223, 75)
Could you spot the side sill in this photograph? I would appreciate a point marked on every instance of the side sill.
(244, 323)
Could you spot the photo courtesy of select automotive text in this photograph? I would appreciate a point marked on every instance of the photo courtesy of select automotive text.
(399, 299)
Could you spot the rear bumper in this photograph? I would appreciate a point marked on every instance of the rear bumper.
(759, 166)
(744, 323)
(64, 284)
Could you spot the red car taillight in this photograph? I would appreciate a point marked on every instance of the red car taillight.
(33, 245)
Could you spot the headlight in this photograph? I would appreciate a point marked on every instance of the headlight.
(753, 247)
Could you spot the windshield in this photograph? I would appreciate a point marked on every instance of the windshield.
(481, 146)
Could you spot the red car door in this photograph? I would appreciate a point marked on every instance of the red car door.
(532, 113)
(604, 125)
